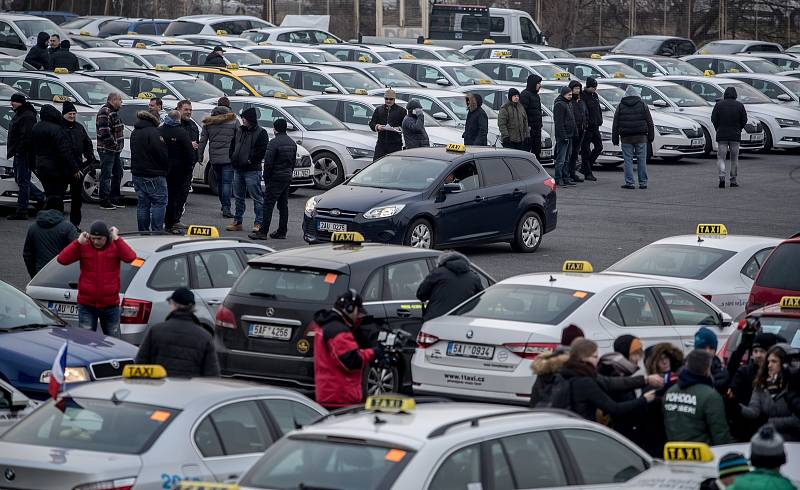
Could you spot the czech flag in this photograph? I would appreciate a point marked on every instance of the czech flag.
(57, 378)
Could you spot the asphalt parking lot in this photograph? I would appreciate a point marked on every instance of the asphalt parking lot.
(598, 221)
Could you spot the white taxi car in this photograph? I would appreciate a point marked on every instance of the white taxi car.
(483, 349)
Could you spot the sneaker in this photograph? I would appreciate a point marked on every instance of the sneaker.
(734, 184)
(174, 231)
(642, 186)
(628, 186)
(570, 183)
(590, 177)
(722, 183)
(180, 226)
(276, 236)
(107, 205)
(18, 217)
(575, 178)
(256, 228)
(257, 236)
(234, 227)
(118, 203)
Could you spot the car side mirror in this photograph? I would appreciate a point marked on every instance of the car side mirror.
(441, 116)
(785, 98)
(451, 188)
(19, 401)
(290, 126)
(87, 67)
(660, 103)
(331, 90)
(242, 92)
(725, 320)
(443, 82)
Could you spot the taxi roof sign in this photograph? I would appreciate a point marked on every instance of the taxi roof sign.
(457, 147)
(596, 56)
(140, 45)
(161, 68)
(427, 42)
(390, 404)
(232, 66)
(790, 302)
(60, 71)
(266, 61)
(363, 58)
(582, 266)
(329, 40)
(708, 73)
(360, 91)
(60, 99)
(407, 56)
(711, 229)
(222, 32)
(488, 41)
(280, 95)
(688, 451)
(145, 95)
(561, 74)
(347, 236)
(144, 371)
(204, 231)
(619, 74)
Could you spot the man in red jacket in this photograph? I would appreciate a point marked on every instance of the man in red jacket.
(100, 252)
(339, 361)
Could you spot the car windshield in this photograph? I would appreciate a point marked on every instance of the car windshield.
(612, 69)
(404, 173)
(78, 23)
(93, 425)
(675, 66)
(761, 66)
(163, 59)
(12, 64)
(296, 462)
(671, 260)
(682, 96)
(317, 56)
(94, 92)
(548, 72)
(780, 269)
(391, 54)
(268, 86)
(716, 47)
(285, 283)
(612, 95)
(638, 45)
(391, 77)
(522, 303)
(467, 75)
(32, 28)
(18, 310)
(115, 27)
(312, 118)
(453, 56)
(551, 53)
(792, 86)
(113, 62)
(243, 58)
(459, 107)
(196, 89)
(353, 81)
(181, 27)
(747, 94)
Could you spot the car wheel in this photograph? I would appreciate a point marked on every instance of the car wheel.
(211, 180)
(767, 140)
(420, 234)
(328, 171)
(292, 190)
(529, 233)
(380, 380)
(90, 186)
(709, 144)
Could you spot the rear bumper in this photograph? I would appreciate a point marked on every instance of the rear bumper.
(283, 370)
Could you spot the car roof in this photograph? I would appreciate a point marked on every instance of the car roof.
(651, 82)
(159, 74)
(192, 47)
(273, 101)
(335, 256)
(280, 29)
(430, 47)
(652, 57)
(127, 50)
(734, 243)
(592, 282)
(588, 61)
(732, 57)
(776, 310)
(762, 76)
(700, 78)
(95, 53)
(739, 41)
(430, 92)
(294, 47)
(151, 243)
(439, 63)
(239, 72)
(211, 17)
(14, 16)
(518, 61)
(67, 77)
(536, 47)
(654, 36)
(367, 99)
(321, 68)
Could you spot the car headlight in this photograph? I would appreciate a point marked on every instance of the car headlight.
(384, 211)
(605, 135)
(360, 153)
(71, 375)
(787, 123)
(311, 205)
(665, 130)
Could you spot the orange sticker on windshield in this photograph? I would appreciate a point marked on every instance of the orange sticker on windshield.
(395, 455)
(330, 278)
(137, 262)
(580, 294)
(160, 416)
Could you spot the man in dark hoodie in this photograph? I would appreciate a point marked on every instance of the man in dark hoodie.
(729, 118)
(21, 150)
(451, 283)
(387, 121)
(38, 56)
(512, 120)
(193, 131)
(591, 136)
(181, 160)
(63, 58)
(634, 126)
(581, 114)
(529, 98)
(82, 152)
(565, 130)
(476, 129)
(56, 165)
(219, 129)
(279, 161)
(149, 167)
(215, 57)
(247, 152)
(48, 236)
(414, 133)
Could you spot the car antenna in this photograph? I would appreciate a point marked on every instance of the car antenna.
(552, 279)
(700, 239)
(378, 421)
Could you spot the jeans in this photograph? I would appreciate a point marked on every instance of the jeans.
(110, 175)
(724, 146)
(152, 195)
(108, 317)
(536, 142)
(248, 183)
(224, 177)
(26, 190)
(277, 192)
(563, 152)
(591, 137)
(628, 152)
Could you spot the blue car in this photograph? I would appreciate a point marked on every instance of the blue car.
(30, 337)
(118, 27)
(441, 197)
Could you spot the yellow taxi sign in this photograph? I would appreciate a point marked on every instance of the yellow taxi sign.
(205, 231)
(131, 33)
(561, 74)
(688, 451)
(503, 53)
(222, 32)
(733, 70)
(488, 41)
(390, 403)
(596, 56)
(60, 71)
(140, 45)
(427, 42)
(708, 73)
(232, 66)
(145, 95)
(457, 147)
(205, 485)
(484, 81)
(161, 68)
(708, 229)
(360, 91)
(265, 43)
(280, 95)
(144, 371)
(790, 302)
(60, 99)
(407, 56)
(329, 40)
(619, 74)
(363, 58)
(169, 41)
(266, 61)
(577, 266)
(347, 236)
(84, 33)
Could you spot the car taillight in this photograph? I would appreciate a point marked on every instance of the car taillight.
(741, 324)
(225, 318)
(425, 340)
(529, 350)
(135, 311)
(118, 484)
(551, 184)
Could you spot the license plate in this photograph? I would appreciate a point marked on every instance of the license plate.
(328, 226)
(477, 351)
(269, 331)
(301, 172)
(547, 153)
(756, 137)
(64, 310)
(698, 142)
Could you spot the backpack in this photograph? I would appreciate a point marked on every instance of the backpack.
(555, 394)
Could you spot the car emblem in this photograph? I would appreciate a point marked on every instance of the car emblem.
(335, 212)
(270, 311)
(470, 333)
(115, 364)
(9, 474)
(66, 294)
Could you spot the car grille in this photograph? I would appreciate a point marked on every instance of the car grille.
(752, 128)
(693, 133)
(326, 213)
(109, 369)
(304, 162)
(547, 143)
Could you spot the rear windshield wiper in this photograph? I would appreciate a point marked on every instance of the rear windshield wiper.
(261, 294)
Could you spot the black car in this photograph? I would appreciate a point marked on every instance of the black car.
(440, 197)
(262, 326)
(655, 45)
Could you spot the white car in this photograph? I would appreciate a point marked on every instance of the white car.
(168, 85)
(218, 40)
(652, 66)
(146, 58)
(320, 79)
(384, 75)
(233, 25)
(784, 62)
(779, 88)
(433, 52)
(720, 63)
(596, 67)
(131, 40)
(292, 54)
(91, 60)
(441, 74)
(365, 53)
(290, 35)
(197, 54)
(87, 25)
(517, 71)
(737, 46)
(40, 85)
(518, 51)
(483, 349)
(20, 31)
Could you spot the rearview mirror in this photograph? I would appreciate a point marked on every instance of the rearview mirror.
(660, 103)
(331, 90)
(725, 320)
(785, 98)
(242, 92)
(443, 82)
(451, 188)
(441, 116)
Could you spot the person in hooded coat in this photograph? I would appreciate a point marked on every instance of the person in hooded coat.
(729, 118)
(633, 125)
(82, 152)
(247, 152)
(414, 133)
(591, 136)
(386, 120)
(20, 148)
(38, 56)
(512, 120)
(530, 100)
(215, 58)
(149, 167)
(63, 58)
(181, 160)
(219, 129)
(56, 165)
(48, 236)
(476, 129)
(451, 283)
(565, 130)
(581, 115)
(663, 360)
(768, 402)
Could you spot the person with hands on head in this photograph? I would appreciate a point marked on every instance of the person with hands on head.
(387, 121)
(414, 132)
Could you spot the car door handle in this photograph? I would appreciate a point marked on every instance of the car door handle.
(688, 343)
(478, 199)
(517, 191)
(403, 313)
(214, 302)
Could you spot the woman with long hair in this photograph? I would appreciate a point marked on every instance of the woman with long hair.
(768, 403)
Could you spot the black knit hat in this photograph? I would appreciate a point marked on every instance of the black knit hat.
(565, 90)
(68, 107)
(733, 464)
(19, 98)
(699, 362)
(182, 296)
(512, 92)
(279, 125)
(250, 115)
(765, 340)
(766, 449)
(591, 82)
(99, 228)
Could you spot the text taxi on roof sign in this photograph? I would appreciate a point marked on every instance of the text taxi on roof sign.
(577, 266)
(144, 371)
(202, 231)
(790, 302)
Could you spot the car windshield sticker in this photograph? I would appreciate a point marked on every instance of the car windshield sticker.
(579, 294)
(773, 329)
(330, 278)
(160, 416)
(395, 455)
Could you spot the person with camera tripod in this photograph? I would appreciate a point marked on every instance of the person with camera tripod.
(339, 358)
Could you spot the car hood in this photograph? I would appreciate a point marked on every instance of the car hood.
(701, 111)
(443, 136)
(360, 199)
(773, 110)
(352, 138)
(673, 120)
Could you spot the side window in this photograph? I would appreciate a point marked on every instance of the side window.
(707, 91)
(687, 309)
(285, 57)
(498, 24)
(203, 278)
(284, 76)
(460, 471)
(227, 84)
(585, 71)
(649, 96)
(124, 84)
(372, 288)
(612, 313)
(170, 274)
(48, 89)
(284, 38)
(23, 85)
(522, 168)
(422, 54)
(769, 89)
(644, 67)
(753, 265)
(223, 267)
(288, 413)
(134, 59)
(638, 308)
(702, 64)
(466, 175)
(9, 38)
(603, 460)
(207, 439)
(342, 54)
(366, 56)
(492, 70)
(534, 460)
(495, 172)
(327, 105)
(524, 54)
(265, 116)
(357, 113)
(252, 253)
(500, 476)
(146, 28)
(427, 74)
(726, 66)
(315, 81)
(404, 278)
(685, 48)
(477, 54)
(318, 37)
(407, 68)
(154, 86)
(491, 99)
(241, 428)
(528, 30)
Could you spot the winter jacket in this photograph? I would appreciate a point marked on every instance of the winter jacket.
(729, 117)
(38, 55)
(476, 129)
(547, 368)
(110, 130)
(694, 411)
(219, 129)
(587, 395)
(247, 150)
(194, 136)
(762, 479)
(529, 98)
(773, 409)
(280, 158)
(214, 59)
(182, 345)
(63, 58)
(98, 283)
(180, 153)
(579, 112)
(53, 147)
(632, 122)
(594, 113)
(414, 133)
(46, 239)
(719, 376)
(616, 365)
(339, 362)
(149, 152)
(451, 283)
(19, 131)
(513, 122)
(82, 148)
(388, 141)
(563, 119)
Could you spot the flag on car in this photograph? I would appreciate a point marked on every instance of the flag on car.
(57, 378)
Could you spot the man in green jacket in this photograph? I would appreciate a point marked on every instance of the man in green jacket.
(767, 455)
(693, 410)
(512, 120)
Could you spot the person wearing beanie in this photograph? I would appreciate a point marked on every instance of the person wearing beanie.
(19, 147)
(82, 152)
(580, 113)
(633, 126)
(705, 339)
(476, 127)
(570, 333)
(56, 163)
(180, 161)
(37, 56)
(592, 144)
(246, 153)
(181, 343)
(387, 121)
(100, 251)
(64, 58)
(767, 455)
(215, 58)
(279, 162)
(769, 400)
(729, 118)
(663, 360)
(219, 130)
(414, 134)
(173, 218)
(693, 410)
(150, 165)
(512, 120)
(565, 131)
(48, 236)
(731, 466)
(224, 102)
(530, 100)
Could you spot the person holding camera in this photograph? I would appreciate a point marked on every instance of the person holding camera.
(769, 402)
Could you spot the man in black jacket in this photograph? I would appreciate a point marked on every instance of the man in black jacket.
(580, 114)
(387, 121)
(634, 126)
(279, 163)
(215, 58)
(82, 152)
(729, 118)
(529, 98)
(56, 165)
(183, 345)
(591, 136)
(247, 152)
(63, 58)
(451, 283)
(149, 167)
(182, 192)
(476, 128)
(48, 236)
(38, 56)
(181, 161)
(21, 150)
(564, 129)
